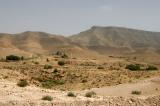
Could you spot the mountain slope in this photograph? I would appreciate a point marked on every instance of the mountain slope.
(29, 43)
(33, 42)
(117, 39)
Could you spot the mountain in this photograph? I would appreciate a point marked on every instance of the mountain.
(33, 42)
(102, 40)
(118, 40)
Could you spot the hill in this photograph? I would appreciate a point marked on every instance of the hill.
(29, 43)
(33, 41)
(118, 40)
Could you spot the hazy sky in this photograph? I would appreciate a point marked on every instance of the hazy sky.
(73, 16)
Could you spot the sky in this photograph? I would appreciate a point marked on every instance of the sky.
(67, 17)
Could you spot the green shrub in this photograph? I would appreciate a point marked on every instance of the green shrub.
(71, 94)
(133, 67)
(136, 92)
(22, 83)
(47, 83)
(47, 66)
(150, 67)
(90, 94)
(48, 98)
(13, 58)
(61, 63)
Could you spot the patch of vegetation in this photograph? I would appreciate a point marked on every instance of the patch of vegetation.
(49, 83)
(14, 58)
(48, 98)
(71, 94)
(133, 67)
(47, 66)
(61, 63)
(90, 94)
(136, 92)
(22, 83)
(150, 67)
(137, 67)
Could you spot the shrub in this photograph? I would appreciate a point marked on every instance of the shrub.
(90, 94)
(136, 92)
(71, 94)
(35, 62)
(22, 83)
(59, 53)
(100, 67)
(48, 98)
(61, 63)
(84, 81)
(150, 67)
(13, 58)
(47, 66)
(49, 83)
(55, 70)
(47, 60)
(133, 67)
(64, 56)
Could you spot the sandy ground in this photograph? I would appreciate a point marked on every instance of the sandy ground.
(148, 87)
(12, 95)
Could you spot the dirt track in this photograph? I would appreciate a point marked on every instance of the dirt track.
(148, 87)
